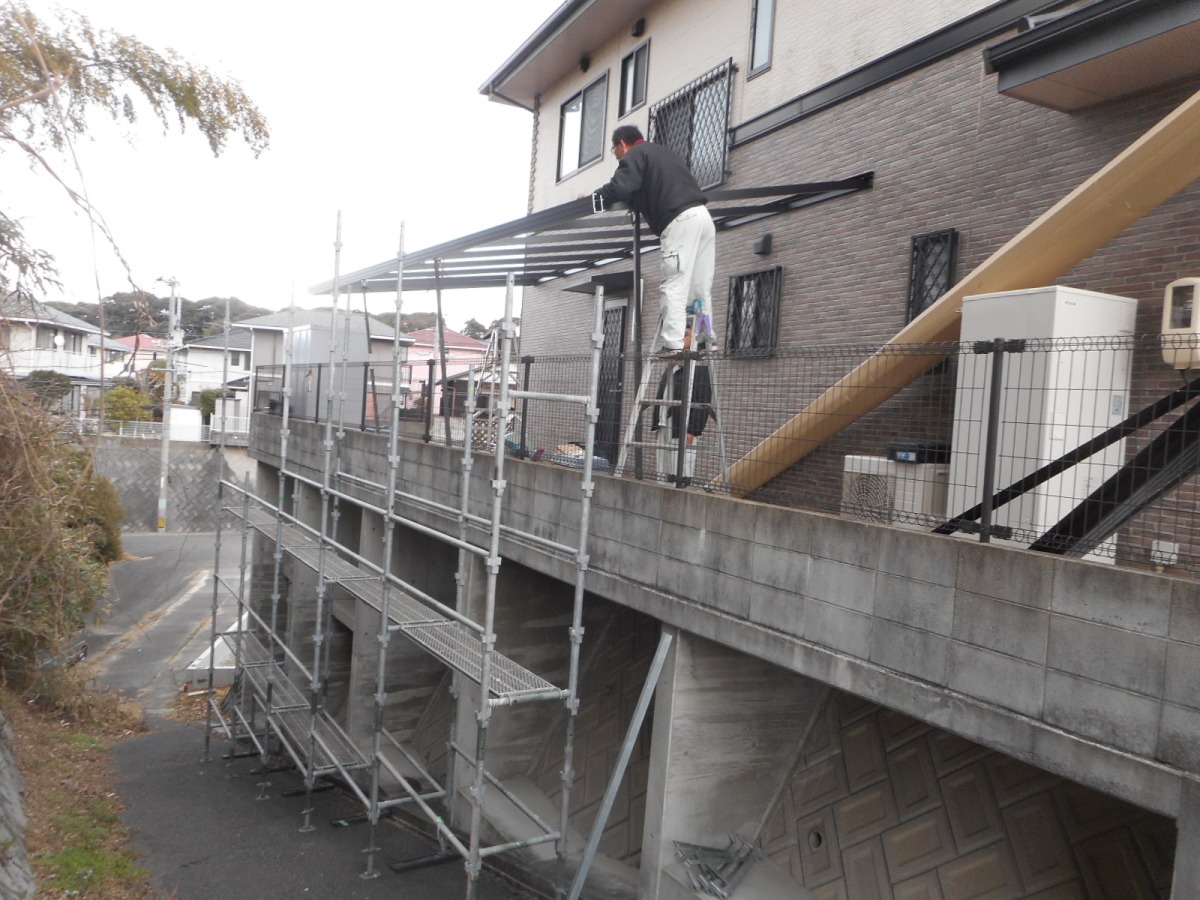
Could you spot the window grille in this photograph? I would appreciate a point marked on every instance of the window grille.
(753, 325)
(931, 269)
(694, 122)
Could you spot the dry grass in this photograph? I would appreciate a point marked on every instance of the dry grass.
(76, 841)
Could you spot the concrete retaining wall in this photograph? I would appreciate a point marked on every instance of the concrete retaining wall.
(16, 876)
(133, 466)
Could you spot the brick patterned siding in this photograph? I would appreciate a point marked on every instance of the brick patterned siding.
(948, 151)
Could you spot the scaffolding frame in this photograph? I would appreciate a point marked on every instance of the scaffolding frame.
(268, 712)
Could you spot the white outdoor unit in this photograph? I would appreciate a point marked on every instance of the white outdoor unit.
(876, 489)
(1053, 401)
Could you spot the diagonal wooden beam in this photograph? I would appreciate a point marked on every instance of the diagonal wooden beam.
(1155, 167)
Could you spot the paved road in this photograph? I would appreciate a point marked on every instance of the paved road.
(158, 614)
(198, 826)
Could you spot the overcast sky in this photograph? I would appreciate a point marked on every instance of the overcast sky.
(374, 110)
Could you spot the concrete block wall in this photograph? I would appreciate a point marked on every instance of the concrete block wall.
(16, 874)
(1079, 669)
(985, 640)
(134, 466)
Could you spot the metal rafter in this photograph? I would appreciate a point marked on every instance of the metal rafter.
(569, 239)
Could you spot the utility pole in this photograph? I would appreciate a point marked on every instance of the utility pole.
(173, 339)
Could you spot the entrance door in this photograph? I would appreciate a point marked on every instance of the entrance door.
(612, 381)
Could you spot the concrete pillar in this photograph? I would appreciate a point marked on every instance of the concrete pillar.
(466, 726)
(727, 729)
(1185, 884)
(370, 537)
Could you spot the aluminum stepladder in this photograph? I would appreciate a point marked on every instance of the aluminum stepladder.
(703, 341)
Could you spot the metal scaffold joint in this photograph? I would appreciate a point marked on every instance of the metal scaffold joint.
(493, 565)
(582, 561)
(576, 634)
(498, 485)
(381, 699)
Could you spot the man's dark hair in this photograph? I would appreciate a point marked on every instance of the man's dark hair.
(629, 134)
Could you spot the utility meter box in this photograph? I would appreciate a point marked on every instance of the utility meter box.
(1181, 324)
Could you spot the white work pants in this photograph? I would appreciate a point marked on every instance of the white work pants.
(688, 248)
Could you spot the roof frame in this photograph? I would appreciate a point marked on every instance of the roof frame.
(569, 239)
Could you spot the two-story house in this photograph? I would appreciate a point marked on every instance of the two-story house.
(35, 336)
(884, 713)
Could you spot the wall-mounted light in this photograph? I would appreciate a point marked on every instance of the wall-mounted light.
(762, 246)
(639, 28)
(585, 63)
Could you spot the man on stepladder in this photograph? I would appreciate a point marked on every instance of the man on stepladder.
(657, 183)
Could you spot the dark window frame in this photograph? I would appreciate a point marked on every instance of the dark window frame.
(759, 337)
(932, 261)
(583, 159)
(755, 67)
(694, 122)
(642, 51)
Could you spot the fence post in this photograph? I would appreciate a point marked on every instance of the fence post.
(998, 347)
(429, 403)
(528, 361)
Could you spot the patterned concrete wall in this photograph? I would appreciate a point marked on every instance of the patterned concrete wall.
(621, 650)
(16, 875)
(133, 466)
(883, 806)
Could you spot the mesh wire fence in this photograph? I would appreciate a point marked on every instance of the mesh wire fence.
(1087, 446)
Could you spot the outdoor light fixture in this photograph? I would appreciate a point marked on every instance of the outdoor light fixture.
(639, 28)
(585, 63)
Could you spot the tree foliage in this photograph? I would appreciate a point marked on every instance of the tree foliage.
(53, 73)
(475, 329)
(132, 313)
(126, 404)
(47, 386)
(59, 526)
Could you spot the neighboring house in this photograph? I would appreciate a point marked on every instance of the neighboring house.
(137, 352)
(461, 352)
(35, 336)
(203, 366)
(367, 343)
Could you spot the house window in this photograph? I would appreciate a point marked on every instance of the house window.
(694, 121)
(634, 69)
(5, 337)
(762, 28)
(72, 342)
(44, 339)
(581, 135)
(931, 269)
(753, 321)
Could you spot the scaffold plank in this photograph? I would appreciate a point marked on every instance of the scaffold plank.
(448, 641)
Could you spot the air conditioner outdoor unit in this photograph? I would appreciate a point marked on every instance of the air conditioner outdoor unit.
(876, 489)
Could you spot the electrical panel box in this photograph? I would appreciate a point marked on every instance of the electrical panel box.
(1055, 397)
(1181, 324)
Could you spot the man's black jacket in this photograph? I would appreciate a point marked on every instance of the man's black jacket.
(655, 182)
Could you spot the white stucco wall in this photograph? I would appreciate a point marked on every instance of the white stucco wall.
(814, 42)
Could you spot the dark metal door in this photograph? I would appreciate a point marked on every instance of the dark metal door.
(612, 382)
